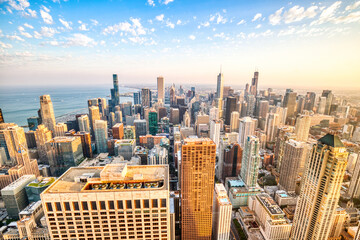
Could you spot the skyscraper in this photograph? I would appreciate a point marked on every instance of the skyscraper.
(1, 117)
(220, 86)
(197, 188)
(42, 135)
(246, 128)
(84, 123)
(215, 131)
(290, 102)
(250, 162)
(94, 115)
(60, 129)
(115, 201)
(354, 188)
(310, 101)
(145, 97)
(118, 131)
(254, 83)
(222, 210)
(115, 95)
(302, 127)
(47, 112)
(230, 107)
(232, 155)
(172, 96)
(263, 108)
(271, 125)
(234, 121)
(161, 89)
(329, 98)
(292, 164)
(101, 136)
(137, 99)
(140, 128)
(153, 122)
(320, 190)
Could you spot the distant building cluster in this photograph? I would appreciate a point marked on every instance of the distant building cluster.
(186, 163)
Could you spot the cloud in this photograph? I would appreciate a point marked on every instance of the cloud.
(82, 26)
(15, 37)
(47, 32)
(18, 5)
(258, 26)
(170, 24)
(166, 2)
(151, 3)
(29, 13)
(65, 23)
(275, 18)
(160, 17)
(94, 22)
(286, 32)
(327, 14)
(134, 28)
(178, 22)
(353, 6)
(298, 13)
(5, 45)
(205, 24)
(256, 17)
(242, 21)
(352, 17)
(28, 26)
(46, 16)
(23, 32)
(82, 40)
(218, 17)
(45, 9)
(192, 37)
(37, 35)
(51, 43)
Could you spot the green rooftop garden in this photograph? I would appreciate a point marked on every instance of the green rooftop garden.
(43, 183)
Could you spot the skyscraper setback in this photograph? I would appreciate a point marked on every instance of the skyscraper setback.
(254, 83)
(197, 188)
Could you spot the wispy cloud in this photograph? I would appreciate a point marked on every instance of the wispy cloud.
(327, 14)
(353, 6)
(151, 3)
(160, 17)
(23, 32)
(15, 37)
(275, 18)
(166, 2)
(242, 21)
(256, 17)
(82, 26)
(134, 28)
(28, 26)
(94, 22)
(192, 37)
(46, 16)
(5, 45)
(65, 23)
(79, 39)
(47, 31)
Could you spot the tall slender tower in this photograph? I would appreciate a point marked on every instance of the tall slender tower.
(47, 112)
(302, 127)
(115, 95)
(354, 188)
(271, 125)
(320, 189)
(101, 136)
(250, 161)
(246, 128)
(254, 83)
(230, 107)
(220, 86)
(197, 188)
(161, 89)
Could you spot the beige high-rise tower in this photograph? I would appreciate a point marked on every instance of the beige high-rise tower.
(161, 89)
(302, 127)
(320, 190)
(197, 188)
(47, 112)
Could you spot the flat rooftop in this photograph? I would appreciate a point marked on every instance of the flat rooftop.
(20, 182)
(112, 177)
(269, 204)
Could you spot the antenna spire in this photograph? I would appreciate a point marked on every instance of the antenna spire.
(220, 68)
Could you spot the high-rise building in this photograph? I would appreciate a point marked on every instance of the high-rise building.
(234, 121)
(220, 86)
(101, 135)
(137, 98)
(157, 155)
(172, 96)
(115, 95)
(302, 127)
(153, 122)
(64, 152)
(251, 102)
(215, 131)
(94, 115)
(254, 83)
(86, 143)
(161, 89)
(340, 217)
(33, 123)
(145, 97)
(60, 129)
(47, 112)
(214, 113)
(320, 190)
(222, 211)
(230, 107)
(354, 188)
(250, 162)
(12, 138)
(271, 125)
(125, 148)
(197, 188)
(132, 202)
(118, 131)
(1, 117)
(174, 116)
(14, 195)
(310, 101)
(42, 135)
(263, 109)
(292, 164)
(329, 99)
(84, 123)
(246, 128)
(321, 105)
(140, 128)
(290, 102)
(232, 160)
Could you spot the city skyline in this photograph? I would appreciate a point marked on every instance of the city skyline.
(182, 41)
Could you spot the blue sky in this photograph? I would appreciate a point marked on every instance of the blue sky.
(293, 43)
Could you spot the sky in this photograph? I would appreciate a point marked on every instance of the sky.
(298, 44)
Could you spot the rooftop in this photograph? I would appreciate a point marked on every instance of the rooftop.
(269, 204)
(22, 181)
(30, 208)
(331, 140)
(112, 177)
(42, 183)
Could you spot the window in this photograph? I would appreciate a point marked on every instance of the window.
(76, 206)
(137, 204)
(163, 203)
(58, 206)
(120, 204)
(67, 206)
(102, 205)
(146, 203)
(128, 204)
(49, 207)
(84, 205)
(93, 205)
(154, 203)
(111, 205)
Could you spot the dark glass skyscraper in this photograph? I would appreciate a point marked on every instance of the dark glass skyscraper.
(153, 122)
(230, 107)
(115, 95)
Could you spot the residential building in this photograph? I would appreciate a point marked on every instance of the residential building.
(222, 213)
